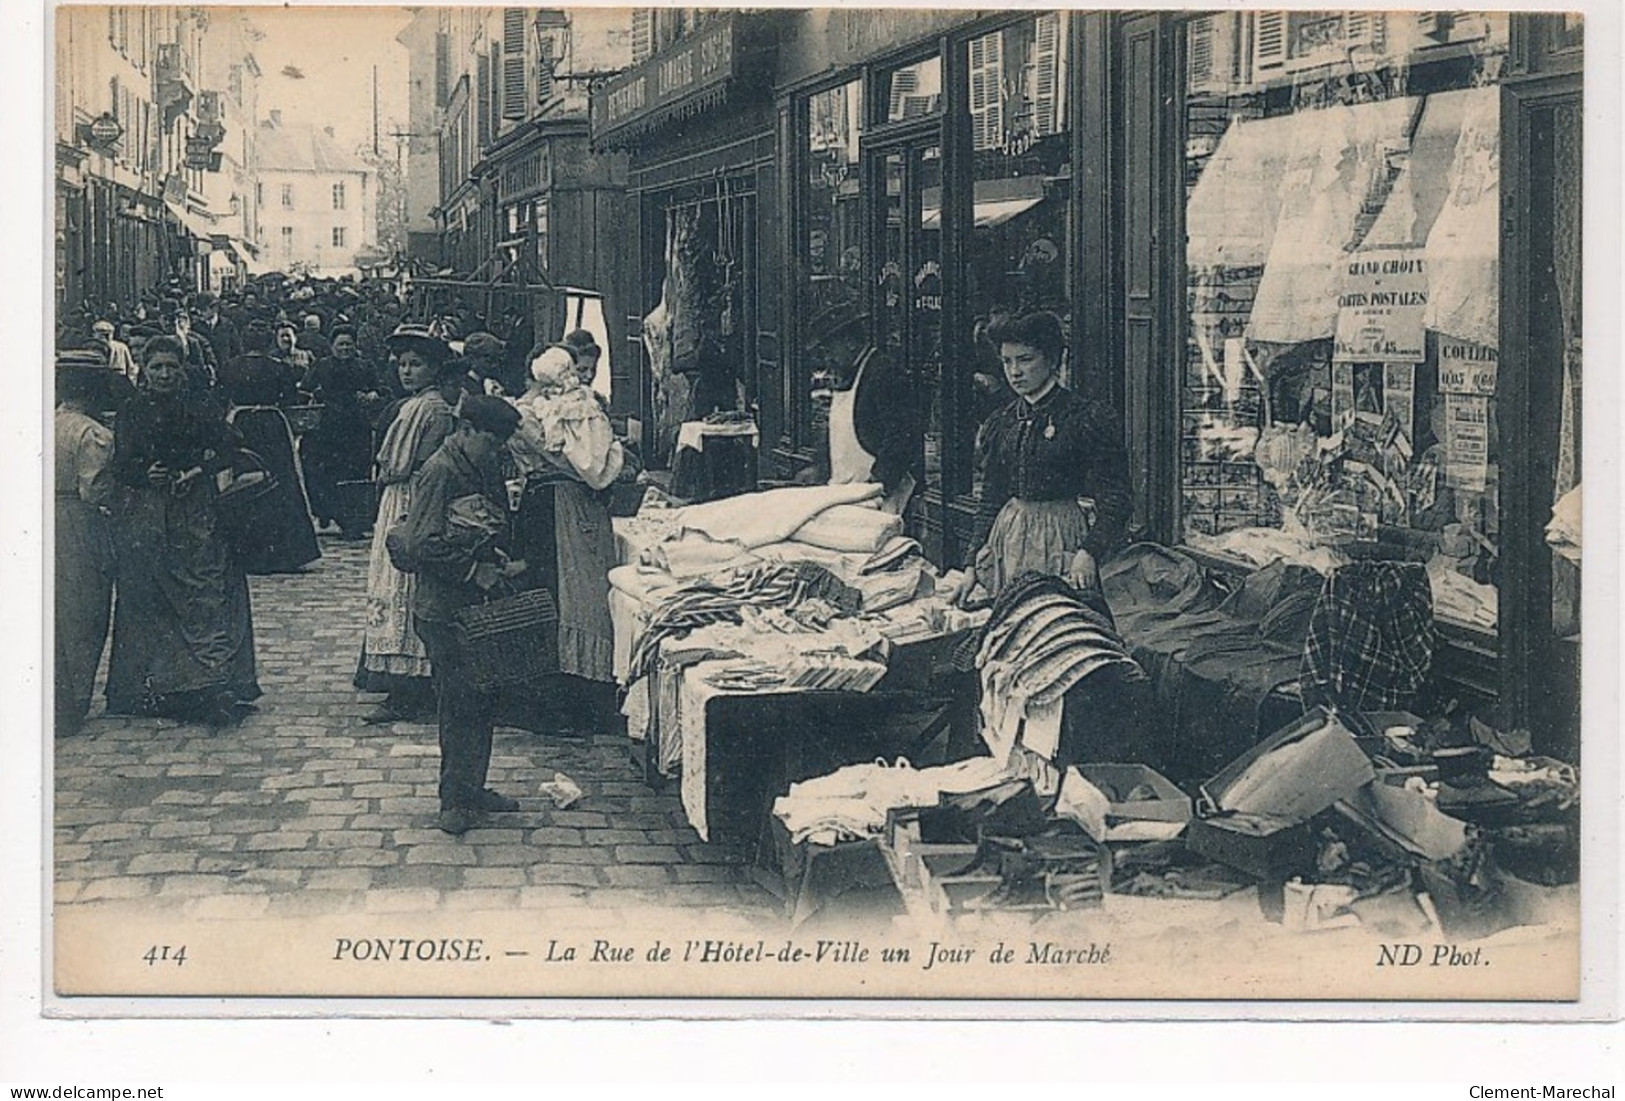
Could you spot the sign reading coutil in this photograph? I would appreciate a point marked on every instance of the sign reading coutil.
(667, 83)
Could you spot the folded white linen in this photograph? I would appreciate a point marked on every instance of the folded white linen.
(756, 519)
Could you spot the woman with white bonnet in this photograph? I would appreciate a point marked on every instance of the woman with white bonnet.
(566, 451)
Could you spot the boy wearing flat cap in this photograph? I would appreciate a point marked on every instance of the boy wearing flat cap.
(457, 563)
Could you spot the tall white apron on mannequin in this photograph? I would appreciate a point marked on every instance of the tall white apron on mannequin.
(849, 463)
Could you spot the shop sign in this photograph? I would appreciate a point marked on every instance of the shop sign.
(667, 81)
(1466, 367)
(105, 130)
(1381, 306)
(199, 153)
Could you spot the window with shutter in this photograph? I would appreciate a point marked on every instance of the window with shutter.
(643, 35)
(1365, 28)
(482, 84)
(1199, 74)
(1269, 41)
(442, 69)
(1047, 77)
(987, 90)
(547, 62)
(513, 64)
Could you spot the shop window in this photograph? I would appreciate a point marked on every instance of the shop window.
(833, 329)
(1339, 379)
(914, 91)
(1022, 170)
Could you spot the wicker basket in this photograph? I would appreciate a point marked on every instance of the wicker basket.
(511, 640)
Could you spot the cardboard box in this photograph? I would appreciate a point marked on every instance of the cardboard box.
(1254, 815)
(1117, 781)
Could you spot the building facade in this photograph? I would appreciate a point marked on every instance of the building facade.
(527, 218)
(145, 117)
(1266, 235)
(314, 201)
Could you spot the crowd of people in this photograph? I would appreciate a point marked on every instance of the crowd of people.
(201, 439)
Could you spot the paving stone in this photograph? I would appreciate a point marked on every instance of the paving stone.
(364, 858)
(64, 891)
(555, 835)
(579, 818)
(116, 887)
(493, 835)
(182, 799)
(65, 853)
(576, 875)
(493, 877)
(648, 854)
(340, 879)
(459, 855)
(349, 839)
(497, 856)
(162, 863)
(193, 886)
(555, 854)
(381, 791)
(314, 903)
(319, 825)
(637, 875)
(112, 831)
(409, 805)
(274, 842)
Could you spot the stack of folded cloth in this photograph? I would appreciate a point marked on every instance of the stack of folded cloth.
(853, 802)
(853, 528)
(1043, 639)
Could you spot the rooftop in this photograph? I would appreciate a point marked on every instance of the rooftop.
(294, 147)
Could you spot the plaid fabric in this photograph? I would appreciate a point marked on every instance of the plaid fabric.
(1370, 641)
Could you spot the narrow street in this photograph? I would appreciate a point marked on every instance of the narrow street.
(305, 810)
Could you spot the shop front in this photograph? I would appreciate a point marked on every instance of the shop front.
(696, 122)
(1325, 267)
(1367, 362)
(933, 187)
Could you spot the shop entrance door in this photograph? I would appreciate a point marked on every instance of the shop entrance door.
(907, 304)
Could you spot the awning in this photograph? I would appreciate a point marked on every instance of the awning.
(994, 212)
(197, 225)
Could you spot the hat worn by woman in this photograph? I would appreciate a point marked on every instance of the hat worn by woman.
(418, 338)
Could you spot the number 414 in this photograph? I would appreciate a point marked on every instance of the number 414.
(163, 953)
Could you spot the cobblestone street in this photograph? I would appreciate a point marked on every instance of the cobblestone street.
(305, 810)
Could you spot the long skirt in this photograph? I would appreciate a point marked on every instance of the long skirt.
(1028, 536)
(283, 515)
(84, 595)
(182, 626)
(564, 533)
(391, 651)
(335, 456)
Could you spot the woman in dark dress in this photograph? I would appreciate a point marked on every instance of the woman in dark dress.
(255, 386)
(339, 449)
(1055, 491)
(183, 635)
(84, 549)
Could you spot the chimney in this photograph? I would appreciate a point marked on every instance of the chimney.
(276, 117)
